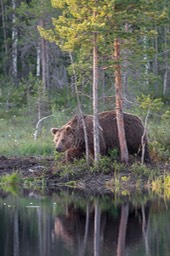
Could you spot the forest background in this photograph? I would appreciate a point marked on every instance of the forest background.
(42, 59)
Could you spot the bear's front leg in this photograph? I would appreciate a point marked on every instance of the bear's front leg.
(71, 154)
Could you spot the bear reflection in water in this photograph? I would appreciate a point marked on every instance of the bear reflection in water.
(95, 230)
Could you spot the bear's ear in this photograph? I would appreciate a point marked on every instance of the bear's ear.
(68, 128)
(54, 130)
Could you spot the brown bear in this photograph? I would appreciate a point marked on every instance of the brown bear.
(70, 138)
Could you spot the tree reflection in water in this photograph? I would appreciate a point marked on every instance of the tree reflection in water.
(84, 227)
(96, 232)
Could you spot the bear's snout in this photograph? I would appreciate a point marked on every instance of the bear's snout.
(59, 149)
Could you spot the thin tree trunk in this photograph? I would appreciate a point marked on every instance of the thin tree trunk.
(145, 43)
(166, 62)
(80, 111)
(4, 27)
(143, 140)
(14, 43)
(43, 59)
(38, 66)
(43, 64)
(156, 64)
(47, 64)
(39, 104)
(95, 98)
(119, 104)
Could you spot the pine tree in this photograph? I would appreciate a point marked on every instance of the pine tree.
(78, 26)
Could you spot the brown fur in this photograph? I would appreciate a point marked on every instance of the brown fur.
(70, 138)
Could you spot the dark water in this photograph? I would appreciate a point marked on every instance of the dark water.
(69, 223)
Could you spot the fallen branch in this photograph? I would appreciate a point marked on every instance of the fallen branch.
(37, 126)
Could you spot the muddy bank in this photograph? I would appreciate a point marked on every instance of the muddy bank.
(26, 166)
(46, 168)
(36, 167)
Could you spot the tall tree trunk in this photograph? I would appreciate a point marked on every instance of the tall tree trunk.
(146, 72)
(44, 60)
(166, 31)
(95, 98)
(43, 64)
(119, 104)
(46, 53)
(156, 64)
(80, 110)
(14, 43)
(38, 66)
(4, 27)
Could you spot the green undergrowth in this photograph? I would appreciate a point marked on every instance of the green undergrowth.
(120, 179)
(159, 137)
(10, 179)
(106, 166)
(18, 127)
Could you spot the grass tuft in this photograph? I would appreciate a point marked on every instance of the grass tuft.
(10, 179)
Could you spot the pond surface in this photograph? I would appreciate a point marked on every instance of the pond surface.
(70, 223)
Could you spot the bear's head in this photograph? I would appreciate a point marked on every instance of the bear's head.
(63, 138)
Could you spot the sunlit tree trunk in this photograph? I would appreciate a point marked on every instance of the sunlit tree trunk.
(119, 104)
(95, 97)
(14, 42)
(122, 230)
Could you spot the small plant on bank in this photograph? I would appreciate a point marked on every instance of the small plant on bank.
(104, 165)
(72, 170)
(138, 168)
(161, 186)
(10, 179)
(108, 163)
(118, 167)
